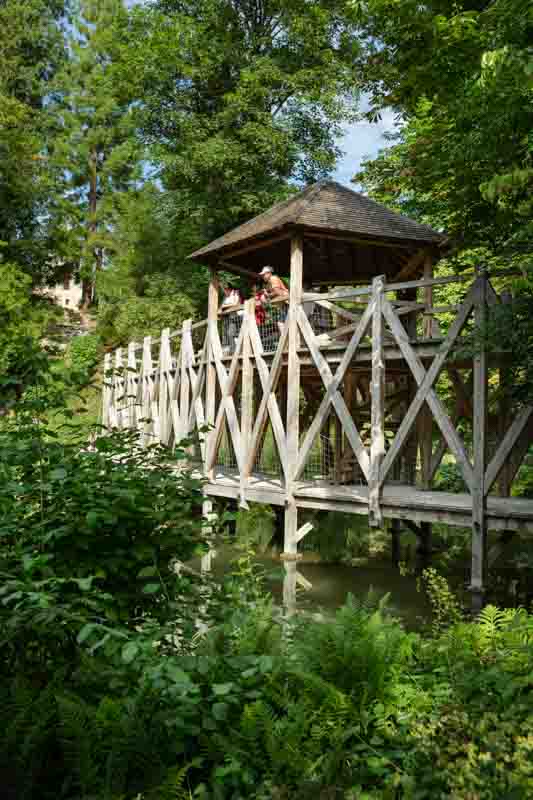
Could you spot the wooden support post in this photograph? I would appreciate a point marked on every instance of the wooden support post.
(119, 388)
(425, 444)
(377, 409)
(289, 587)
(338, 450)
(207, 530)
(147, 388)
(424, 547)
(427, 324)
(132, 386)
(410, 449)
(165, 366)
(184, 380)
(247, 398)
(107, 391)
(395, 541)
(425, 440)
(211, 373)
(350, 398)
(292, 428)
(479, 523)
(504, 481)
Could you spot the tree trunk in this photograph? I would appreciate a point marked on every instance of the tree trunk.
(88, 284)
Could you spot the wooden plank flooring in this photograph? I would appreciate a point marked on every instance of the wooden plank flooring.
(399, 501)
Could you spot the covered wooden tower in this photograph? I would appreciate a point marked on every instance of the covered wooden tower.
(349, 394)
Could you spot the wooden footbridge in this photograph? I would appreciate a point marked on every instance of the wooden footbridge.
(351, 396)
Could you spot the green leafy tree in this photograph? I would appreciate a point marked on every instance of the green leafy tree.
(23, 319)
(149, 283)
(31, 51)
(238, 98)
(95, 149)
(460, 75)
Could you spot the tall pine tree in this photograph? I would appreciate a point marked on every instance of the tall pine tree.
(95, 150)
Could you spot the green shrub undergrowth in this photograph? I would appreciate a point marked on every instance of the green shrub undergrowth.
(126, 678)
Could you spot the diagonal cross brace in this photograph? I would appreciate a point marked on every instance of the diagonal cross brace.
(426, 392)
(269, 405)
(227, 403)
(333, 396)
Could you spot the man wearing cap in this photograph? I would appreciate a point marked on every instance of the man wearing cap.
(275, 289)
(274, 286)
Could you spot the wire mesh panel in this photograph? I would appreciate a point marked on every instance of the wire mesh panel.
(324, 457)
(198, 334)
(226, 454)
(267, 461)
(229, 327)
(321, 319)
(270, 319)
(195, 452)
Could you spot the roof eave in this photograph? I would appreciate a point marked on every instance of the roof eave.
(249, 243)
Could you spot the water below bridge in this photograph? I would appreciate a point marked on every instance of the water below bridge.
(324, 587)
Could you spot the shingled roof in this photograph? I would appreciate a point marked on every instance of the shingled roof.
(329, 207)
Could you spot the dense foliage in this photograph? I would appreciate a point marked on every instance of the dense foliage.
(123, 676)
(460, 77)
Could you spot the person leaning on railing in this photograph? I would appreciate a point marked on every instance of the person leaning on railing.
(229, 309)
(275, 290)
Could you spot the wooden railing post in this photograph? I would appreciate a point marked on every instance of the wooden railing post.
(211, 375)
(293, 394)
(106, 391)
(479, 523)
(247, 396)
(147, 382)
(184, 380)
(427, 320)
(377, 408)
(119, 387)
(132, 386)
(165, 365)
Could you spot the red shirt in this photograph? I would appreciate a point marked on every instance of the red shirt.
(260, 313)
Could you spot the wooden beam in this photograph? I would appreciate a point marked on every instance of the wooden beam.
(147, 384)
(479, 524)
(211, 379)
(427, 323)
(303, 531)
(424, 283)
(165, 379)
(106, 390)
(504, 450)
(247, 396)
(354, 239)
(341, 312)
(413, 264)
(293, 392)
(246, 273)
(184, 381)
(253, 245)
(132, 385)
(377, 410)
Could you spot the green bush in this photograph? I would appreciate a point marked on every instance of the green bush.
(83, 354)
(256, 526)
(450, 479)
(108, 689)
